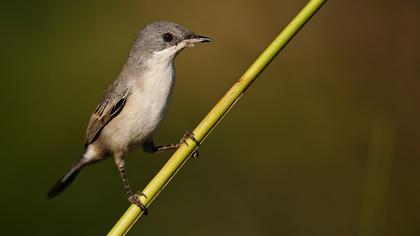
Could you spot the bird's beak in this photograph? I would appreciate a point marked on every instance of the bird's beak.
(197, 39)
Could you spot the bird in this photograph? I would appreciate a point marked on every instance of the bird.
(135, 103)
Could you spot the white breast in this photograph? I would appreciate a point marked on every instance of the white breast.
(146, 106)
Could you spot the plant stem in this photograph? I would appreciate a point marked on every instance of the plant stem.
(182, 154)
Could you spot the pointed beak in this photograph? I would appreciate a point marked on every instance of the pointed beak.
(193, 39)
(202, 39)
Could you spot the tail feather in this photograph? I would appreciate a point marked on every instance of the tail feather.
(65, 181)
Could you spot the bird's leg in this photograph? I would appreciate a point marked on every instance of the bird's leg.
(150, 147)
(132, 197)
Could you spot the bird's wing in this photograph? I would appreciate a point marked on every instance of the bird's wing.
(109, 108)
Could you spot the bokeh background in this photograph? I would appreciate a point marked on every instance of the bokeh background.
(326, 142)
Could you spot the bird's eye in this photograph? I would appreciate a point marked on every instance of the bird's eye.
(168, 37)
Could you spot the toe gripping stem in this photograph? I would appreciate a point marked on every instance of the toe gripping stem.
(190, 135)
(134, 199)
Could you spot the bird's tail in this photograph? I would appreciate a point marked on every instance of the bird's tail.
(66, 180)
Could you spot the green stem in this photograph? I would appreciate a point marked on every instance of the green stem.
(181, 155)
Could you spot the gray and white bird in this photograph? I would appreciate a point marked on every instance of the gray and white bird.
(135, 103)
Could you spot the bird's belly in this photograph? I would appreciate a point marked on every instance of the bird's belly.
(145, 120)
(136, 123)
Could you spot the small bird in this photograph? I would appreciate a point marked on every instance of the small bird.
(135, 103)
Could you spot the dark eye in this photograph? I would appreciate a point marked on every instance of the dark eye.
(168, 37)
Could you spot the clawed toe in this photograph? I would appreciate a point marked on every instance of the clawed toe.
(134, 199)
(189, 135)
(141, 194)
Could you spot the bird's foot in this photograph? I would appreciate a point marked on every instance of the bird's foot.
(190, 135)
(134, 199)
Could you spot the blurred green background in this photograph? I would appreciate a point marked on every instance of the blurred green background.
(326, 142)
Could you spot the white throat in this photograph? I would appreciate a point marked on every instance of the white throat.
(160, 75)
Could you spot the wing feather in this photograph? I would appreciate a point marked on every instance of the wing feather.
(109, 108)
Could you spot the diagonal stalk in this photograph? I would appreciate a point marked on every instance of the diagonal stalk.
(182, 154)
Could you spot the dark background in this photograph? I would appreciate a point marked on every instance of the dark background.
(326, 142)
